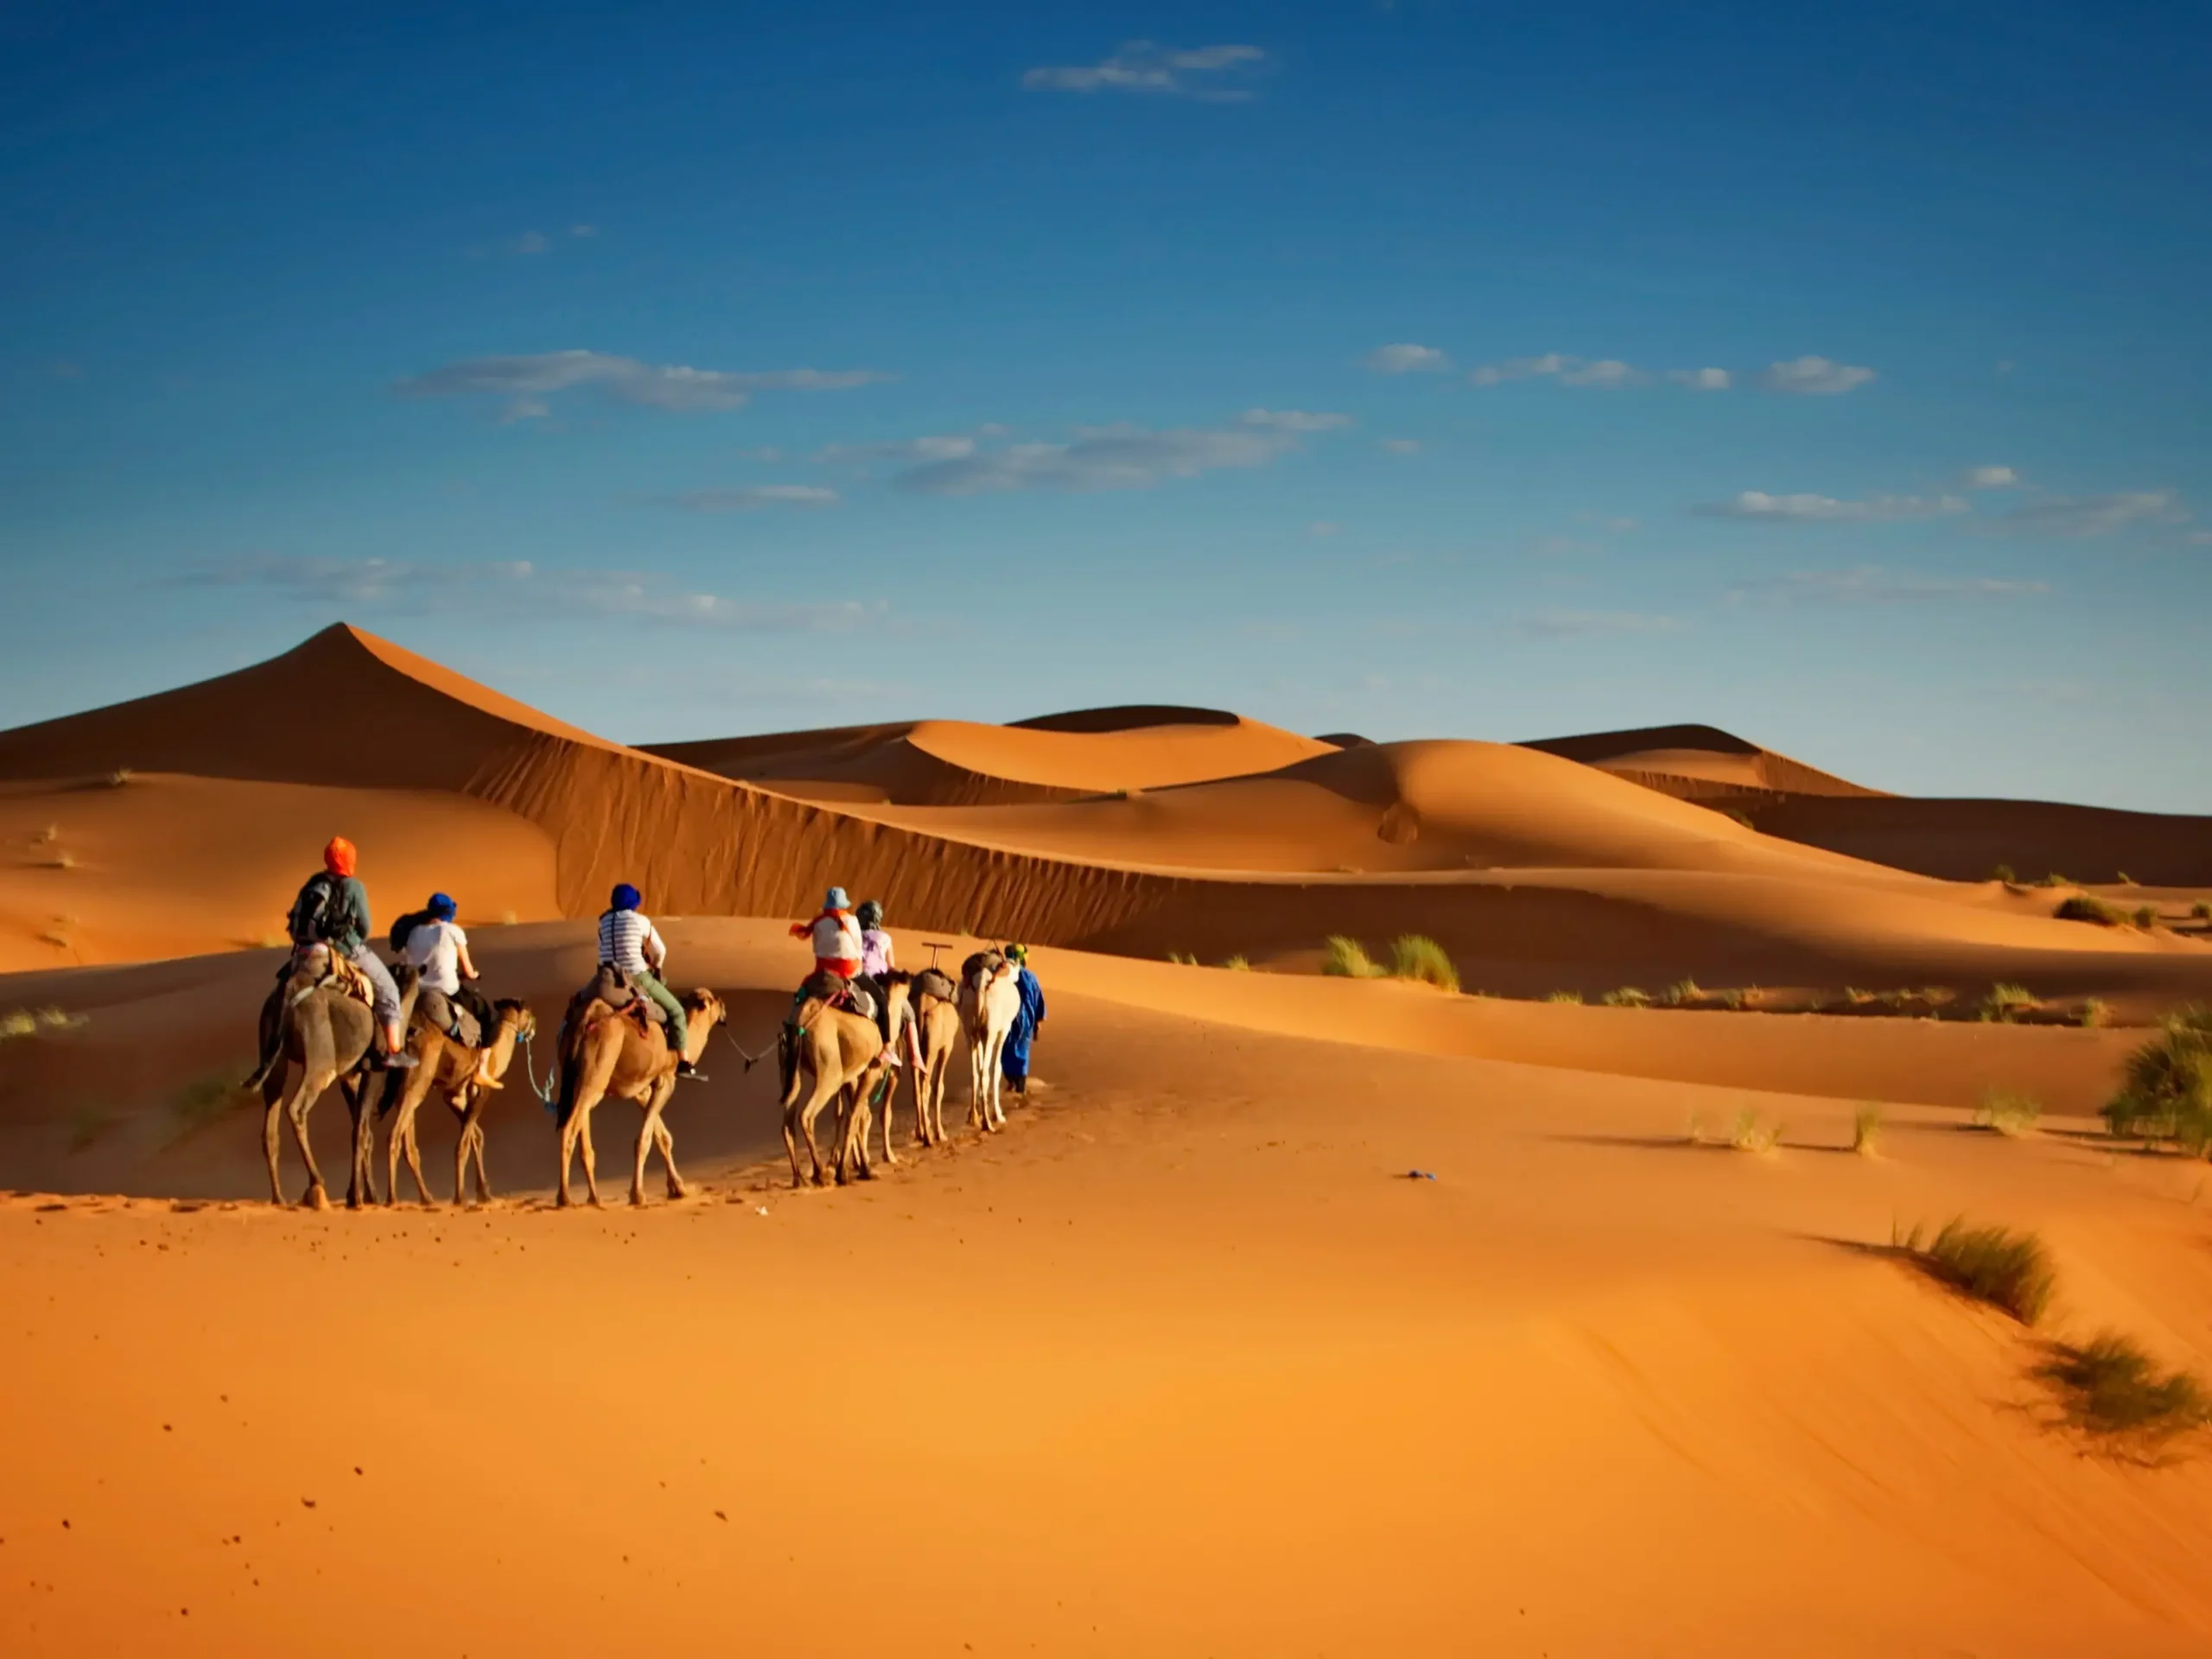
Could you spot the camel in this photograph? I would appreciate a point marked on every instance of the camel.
(936, 1026)
(603, 1054)
(328, 1033)
(465, 1076)
(990, 998)
(843, 1055)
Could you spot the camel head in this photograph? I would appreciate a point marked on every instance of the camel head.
(702, 1005)
(516, 1013)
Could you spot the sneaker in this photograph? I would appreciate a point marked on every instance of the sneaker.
(685, 1068)
(402, 1061)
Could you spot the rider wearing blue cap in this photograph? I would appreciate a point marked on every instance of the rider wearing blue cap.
(439, 950)
(629, 941)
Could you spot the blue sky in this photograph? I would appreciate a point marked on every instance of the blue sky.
(1426, 369)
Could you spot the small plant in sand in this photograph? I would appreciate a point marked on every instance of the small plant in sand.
(1751, 1133)
(2007, 1269)
(1628, 996)
(2087, 907)
(2055, 879)
(1347, 959)
(2008, 1112)
(1867, 1131)
(2165, 1091)
(119, 777)
(2108, 1387)
(1421, 959)
(2094, 1012)
(29, 1022)
(2146, 917)
(1183, 958)
(2007, 1003)
(201, 1103)
(1730, 1000)
(63, 861)
(1574, 997)
(1683, 990)
(1237, 965)
(2201, 910)
(2004, 872)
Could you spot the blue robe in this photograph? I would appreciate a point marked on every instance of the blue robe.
(1013, 1058)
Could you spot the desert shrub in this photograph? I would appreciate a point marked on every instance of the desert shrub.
(1347, 959)
(202, 1102)
(2123, 879)
(2094, 1012)
(2201, 911)
(2008, 1112)
(1415, 958)
(2007, 1002)
(1682, 991)
(1867, 1130)
(2055, 879)
(119, 777)
(1730, 1000)
(2165, 1091)
(1238, 965)
(1750, 1132)
(28, 1022)
(2004, 872)
(1183, 958)
(2006, 1269)
(1628, 996)
(2110, 1387)
(1574, 997)
(2087, 907)
(2146, 917)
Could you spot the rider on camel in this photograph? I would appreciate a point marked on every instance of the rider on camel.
(839, 951)
(629, 943)
(332, 909)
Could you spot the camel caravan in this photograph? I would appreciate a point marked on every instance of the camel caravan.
(389, 1037)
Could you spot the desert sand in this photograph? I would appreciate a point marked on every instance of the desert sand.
(1185, 1361)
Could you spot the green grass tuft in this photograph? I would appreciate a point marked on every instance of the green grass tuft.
(2201, 910)
(119, 777)
(2087, 907)
(2146, 917)
(1682, 991)
(2165, 1091)
(1867, 1131)
(2006, 1002)
(2094, 1012)
(1628, 996)
(2007, 1269)
(2008, 1112)
(2004, 872)
(1574, 997)
(1238, 965)
(1186, 959)
(2110, 1387)
(1750, 1132)
(29, 1022)
(1347, 959)
(1416, 958)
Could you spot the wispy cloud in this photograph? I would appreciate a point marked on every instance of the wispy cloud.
(1295, 420)
(1814, 377)
(520, 589)
(1322, 527)
(1559, 624)
(1402, 446)
(1989, 478)
(527, 381)
(1215, 74)
(1604, 371)
(1702, 379)
(1870, 584)
(1827, 509)
(2096, 515)
(1406, 357)
(752, 498)
(1104, 458)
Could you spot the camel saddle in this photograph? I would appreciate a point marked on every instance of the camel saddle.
(982, 967)
(838, 992)
(935, 982)
(317, 967)
(613, 986)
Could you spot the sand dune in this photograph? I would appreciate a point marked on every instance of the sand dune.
(1698, 763)
(1965, 840)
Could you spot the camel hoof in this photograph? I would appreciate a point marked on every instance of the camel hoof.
(317, 1198)
(677, 1189)
(636, 1200)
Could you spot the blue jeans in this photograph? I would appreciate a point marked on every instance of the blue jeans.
(381, 983)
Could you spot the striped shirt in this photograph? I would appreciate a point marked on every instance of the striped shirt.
(628, 940)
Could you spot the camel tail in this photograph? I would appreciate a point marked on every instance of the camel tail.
(272, 1052)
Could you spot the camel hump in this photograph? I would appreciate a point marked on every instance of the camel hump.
(933, 981)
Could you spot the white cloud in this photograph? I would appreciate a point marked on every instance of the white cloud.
(1827, 509)
(1102, 458)
(1990, 478)
(1215, 74)
(523, 589)
(2097, 515)
(528, 381)
(1872, 585)
(752, 498)
(1605, 371)
(529, 242)
(1814, 377)
(583, 232)
(1322, 527)
(1702, 379)
(1559, 625)
(1407, 359)
(948, 445)
(1295, 420)
(1402, 446)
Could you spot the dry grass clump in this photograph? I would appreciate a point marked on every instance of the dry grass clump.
(2201, 910)
(2165, 1091)
(119, 777)
(2007, 1269)
(2110, 1387)
(2007, 1002)
(1347, 959)
(204, 1100)
(2087, 907)
(2004, 872)
(2055, 879)
(1574, 997)
(1751, 1133)
(2146, 916)
(1416, 958)
(29, 1022)
(1183, 958)
(2094, 1012)
(2008, 1112)
(1238, 965)
(1867, 1131)
(1682, 991)
(1628, 996)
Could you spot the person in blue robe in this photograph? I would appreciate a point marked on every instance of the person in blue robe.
(1014, 1060)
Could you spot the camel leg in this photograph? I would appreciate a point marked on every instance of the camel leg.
(317, 1196)
(402, 1138)
(890, 1103)
(469, 1149)
(414, 1163)
(652, 1133)
(272, 1100)
(361, 1184)
(824, 1091)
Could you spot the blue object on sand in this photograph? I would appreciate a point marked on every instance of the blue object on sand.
(1421, 1174)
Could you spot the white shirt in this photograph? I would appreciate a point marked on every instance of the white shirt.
(628, 940)
(837, 936)
(435, 947)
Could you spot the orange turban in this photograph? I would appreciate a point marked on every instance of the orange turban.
(340, 858)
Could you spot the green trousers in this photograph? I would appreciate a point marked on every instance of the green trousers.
(651, 985)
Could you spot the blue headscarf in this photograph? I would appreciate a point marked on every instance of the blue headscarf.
(836, 899)
(443, 906)
(627, 897)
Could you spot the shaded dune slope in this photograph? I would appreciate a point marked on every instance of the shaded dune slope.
(1697, 763)
(1965, 840)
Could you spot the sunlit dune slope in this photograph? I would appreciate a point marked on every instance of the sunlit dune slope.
(960, 763)
(1697, 763)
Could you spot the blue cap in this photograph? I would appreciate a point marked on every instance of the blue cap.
(627, 897)
(443, 906)
(836, 901)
